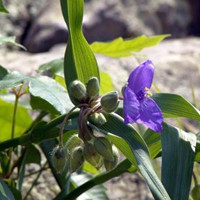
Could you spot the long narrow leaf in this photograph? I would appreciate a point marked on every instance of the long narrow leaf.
(178, 150)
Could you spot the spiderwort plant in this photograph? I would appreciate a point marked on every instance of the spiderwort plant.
(138, 106)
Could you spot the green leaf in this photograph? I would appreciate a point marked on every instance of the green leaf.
(23, 120)
(123, 48)
(96, 193)
(33, 155)
(178, 149)
(173, 105)
(3, 72)
(197, 152)
(79, 62)
(2, 7)
(106, 84)
(116, 126)
(9, 40)
(54, 67)
(5, 193)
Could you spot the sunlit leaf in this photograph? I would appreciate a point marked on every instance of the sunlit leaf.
(106, 83)
(123, 48)
(23, 120)
(79, 62)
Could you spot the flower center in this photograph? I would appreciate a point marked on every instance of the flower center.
(143, 94)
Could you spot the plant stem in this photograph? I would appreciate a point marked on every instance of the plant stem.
(35, 181)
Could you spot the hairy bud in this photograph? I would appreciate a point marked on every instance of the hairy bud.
(97, 119)
(72, 142)
(59, 158)
(103, 147)
(110, 101)
(90, 154)
(92, 87)
(108, 164)
(77, 90)
(196, 192)
(76, 160)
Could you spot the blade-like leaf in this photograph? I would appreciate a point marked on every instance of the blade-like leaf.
(5, 193)
(9, 40)
(173, 105)
(178, 150)
(116, 126)
(96, 193)
(23, 120)
(106, 83)
(79, 62)
(2, 7)
(3, 72)
(123, 48)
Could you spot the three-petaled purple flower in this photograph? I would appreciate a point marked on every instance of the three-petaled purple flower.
(138, 107)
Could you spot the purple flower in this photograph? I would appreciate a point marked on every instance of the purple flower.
(138, 107)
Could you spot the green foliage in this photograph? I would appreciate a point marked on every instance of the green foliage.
(79, 59)
(23, 120)
(178, 150)
(2, 7)
(9, 40)
(5, 192)
(123, 48)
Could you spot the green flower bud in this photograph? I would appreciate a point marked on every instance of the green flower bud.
(59, 158)
(93, 87)
(76, 160)
(110, 101)
(78, 90)
(72, 142)
(108, 164)
(90, 154)
(196, 192)
(103, 147)
(97, 119)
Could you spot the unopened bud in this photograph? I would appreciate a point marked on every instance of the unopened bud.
(59, 158)
(196, 192)
(72, 142)
(90, 154)
(76, 160)
(103, 147)
(109, 165)
(97, 119)
(110, 101)
(93, 87)
(77, 90)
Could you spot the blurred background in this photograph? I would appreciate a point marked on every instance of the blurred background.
(38, 24)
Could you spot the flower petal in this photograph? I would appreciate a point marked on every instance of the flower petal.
(141, 77)
(131, 106)
(150, 115)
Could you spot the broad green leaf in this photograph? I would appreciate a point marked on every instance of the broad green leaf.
(41, 87)
(23, 120)
(5, 193)
(79, 61)
(106, 84)
(173, 105)
(3, 72)
(33, 155)
(2, 7)
(123, 48)
(54, 67)
(115, 125)
(178, 150)
(10, 40)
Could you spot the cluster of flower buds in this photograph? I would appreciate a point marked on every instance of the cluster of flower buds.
(97, 152)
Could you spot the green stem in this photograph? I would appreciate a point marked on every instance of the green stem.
(35, 181)
(99, 179)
